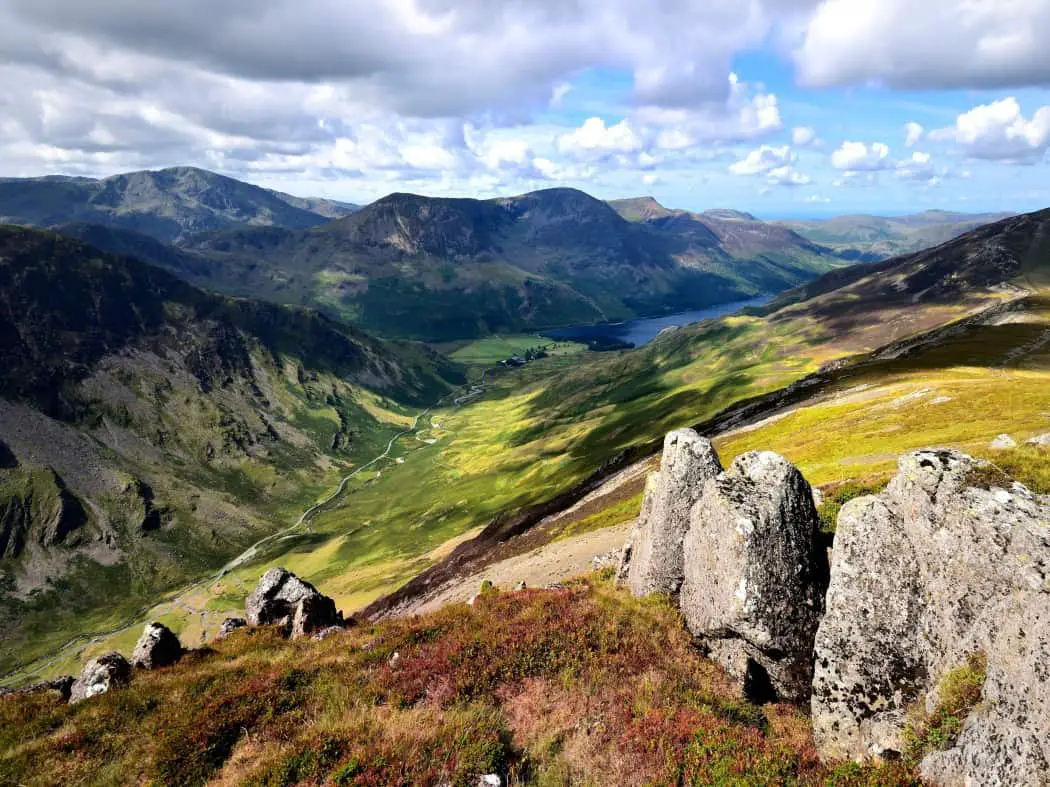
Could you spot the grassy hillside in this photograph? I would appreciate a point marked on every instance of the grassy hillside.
(151, 431)
(577, 686)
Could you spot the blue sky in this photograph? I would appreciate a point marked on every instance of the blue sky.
(779, 107)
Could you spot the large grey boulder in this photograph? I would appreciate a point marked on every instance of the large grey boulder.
(157, 647)
(951, 561)
(99, 676)
(755, 575)
(651, 559)
(283, 599)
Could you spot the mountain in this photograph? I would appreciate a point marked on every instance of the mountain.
(326, 208)
(167, 204)
(739, 234)
(437, 268)
(879, 237)
(150, 431)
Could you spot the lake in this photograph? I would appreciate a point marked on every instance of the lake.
(640, 332)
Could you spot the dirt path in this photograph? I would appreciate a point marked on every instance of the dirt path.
(557, 561)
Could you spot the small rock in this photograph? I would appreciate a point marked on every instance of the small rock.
(229, 626)
(331, 631)
(99, 676)
(520, 587)
(157, 647)
(490, 780)
(1041, 440)
(1002, 442)
(818, 498)
(395, 659)
(651, 559)
(941, 400)
(610, 559)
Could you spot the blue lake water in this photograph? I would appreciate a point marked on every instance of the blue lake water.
(641, 332)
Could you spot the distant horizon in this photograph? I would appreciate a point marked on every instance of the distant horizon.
(811, 214)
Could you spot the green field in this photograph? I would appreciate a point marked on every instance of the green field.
(493, 349)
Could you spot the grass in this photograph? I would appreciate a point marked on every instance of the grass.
(959, 692)
(584, 685)
(493, 349)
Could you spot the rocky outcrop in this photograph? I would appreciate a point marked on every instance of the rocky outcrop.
(281, 598)
(157, 647)
(60, 687)
(651, 560)
(951, 561)
(99, 676)
(229, 626)
(755, 575)
(1039, 440)
(37, 509)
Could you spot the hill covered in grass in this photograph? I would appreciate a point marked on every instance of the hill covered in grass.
(151, 431)
(581, 685)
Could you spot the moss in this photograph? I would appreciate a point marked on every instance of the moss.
(959, 693)
(838, 495)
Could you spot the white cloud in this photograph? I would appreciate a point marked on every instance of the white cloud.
(650, 179)
(816, 199)
(856, 156)
(763, 160)
(918, 167)
(1000, 131)
(787, 176)
(913, 134)
(595, 137)
(929, 45)
(801, 136)
(775, 163)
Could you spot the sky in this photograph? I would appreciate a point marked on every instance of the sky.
(783, 108)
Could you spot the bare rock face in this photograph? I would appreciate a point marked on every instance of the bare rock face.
(229, 626)
(99, 676)
(755, 575)
(651, 560)
(952, 560)
(282, 598)
(157, 647)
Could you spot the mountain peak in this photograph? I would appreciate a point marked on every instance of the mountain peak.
(729, 214)
(640, 208)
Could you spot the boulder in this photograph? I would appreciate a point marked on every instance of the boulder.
(1040, 440)
(1002, 443)
(229, 626)
(755, 575)
(949, 563)
(283, 599)
(157, 647)
(651, 559)
(60, 687)
(99, 676)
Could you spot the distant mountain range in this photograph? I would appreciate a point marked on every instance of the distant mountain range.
(878, 237)
(168, 205)
(438, 269)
